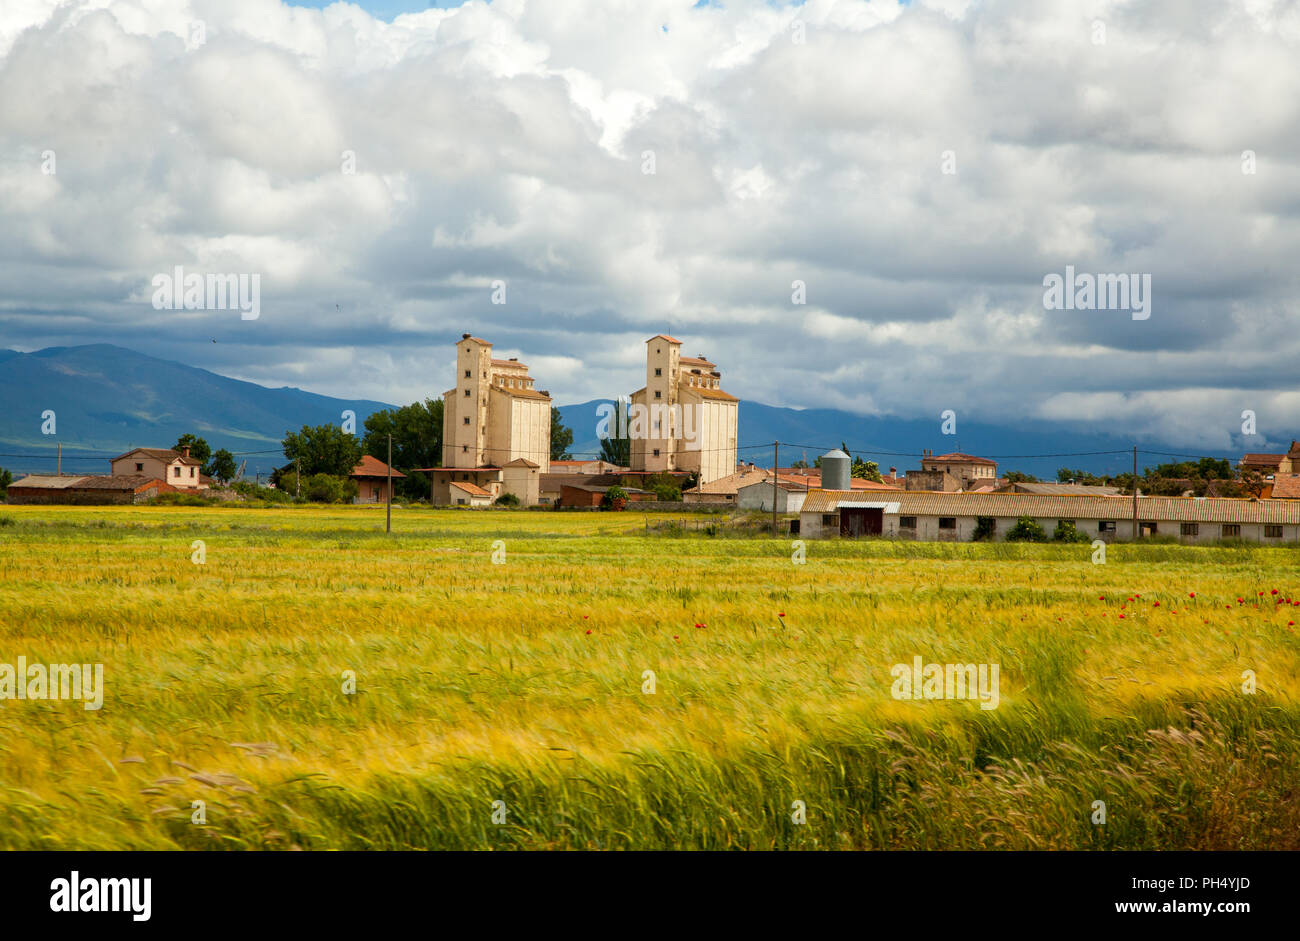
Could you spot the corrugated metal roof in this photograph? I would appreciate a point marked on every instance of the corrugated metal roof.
(46, 482)
(1172, 509)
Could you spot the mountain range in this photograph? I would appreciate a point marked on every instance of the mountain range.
(107, 399)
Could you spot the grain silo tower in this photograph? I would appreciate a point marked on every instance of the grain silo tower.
(835, 470)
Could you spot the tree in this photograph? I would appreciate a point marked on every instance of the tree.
(199, 450)
(801, 465)
(506, 499)
(6, 478)
(223, 466)
(561, 436)
(1252, 481)
(866, 470)
(324, 449)
(617, 451)
(1017, 477)
(665, 487)
(417, 442)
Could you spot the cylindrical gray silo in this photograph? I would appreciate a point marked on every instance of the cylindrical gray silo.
(835, 470)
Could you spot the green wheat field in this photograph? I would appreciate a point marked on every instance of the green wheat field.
(523, 681)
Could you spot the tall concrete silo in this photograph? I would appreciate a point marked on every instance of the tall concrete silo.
(836, 466)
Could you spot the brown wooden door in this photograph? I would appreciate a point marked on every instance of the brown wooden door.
(861, 521)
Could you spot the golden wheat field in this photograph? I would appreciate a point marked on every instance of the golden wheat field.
(524, 681)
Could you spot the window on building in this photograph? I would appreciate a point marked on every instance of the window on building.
(1189, 529)
(1273, 532)
(828, 519)
(1231, 530)
(467, 393)
(191, 472)
(464, 449)
(1106, 526)
(947, 522)
(469, 373)
(658, 371)
(656, 452)
(467, 419)
(907, 522)
(176, 471)
(657, 395)
(139, 467)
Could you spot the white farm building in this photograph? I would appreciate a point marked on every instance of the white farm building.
(953, 517)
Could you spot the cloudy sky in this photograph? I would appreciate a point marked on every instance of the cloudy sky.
(920, 167)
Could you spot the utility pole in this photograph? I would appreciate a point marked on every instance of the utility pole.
(297, 477)
(389, 524)
(776, 466)
(1135, 493)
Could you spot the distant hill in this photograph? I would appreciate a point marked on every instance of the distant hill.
(108, 399)
(814, 431)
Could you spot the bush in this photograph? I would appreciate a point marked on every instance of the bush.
(1026, 530)
(613, 493)
(506, 499)
(326, 488)
(985, 527)
(1066, 531)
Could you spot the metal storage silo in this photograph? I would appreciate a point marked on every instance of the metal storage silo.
(836, 466)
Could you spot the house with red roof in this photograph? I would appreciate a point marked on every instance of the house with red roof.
(371, 476)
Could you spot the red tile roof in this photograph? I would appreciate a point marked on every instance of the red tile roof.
(163, 454)
(373, 467)
(1286, 487)
(664, 336)
(470, 488)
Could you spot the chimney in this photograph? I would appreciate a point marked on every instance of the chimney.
(185, 451)
(514, 359)
(464, 336)
(893, 472)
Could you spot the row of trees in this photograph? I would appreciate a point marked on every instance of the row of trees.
(416, 430)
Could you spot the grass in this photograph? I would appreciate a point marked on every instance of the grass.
(522, 682)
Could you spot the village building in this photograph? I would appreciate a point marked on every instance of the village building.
(176, 467)
(496, 432)
(952, 472)
(88, 490)
(1058, 489)
(954, 517)
(1272, 464)
(371, 476)
(724, 490)
(589, 495)
(691, 423)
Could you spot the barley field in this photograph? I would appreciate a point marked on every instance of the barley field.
(523, 680)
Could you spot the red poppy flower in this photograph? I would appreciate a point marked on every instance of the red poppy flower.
(780, 614)
(589, 630)
(1157, 604)
(1191, 594)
